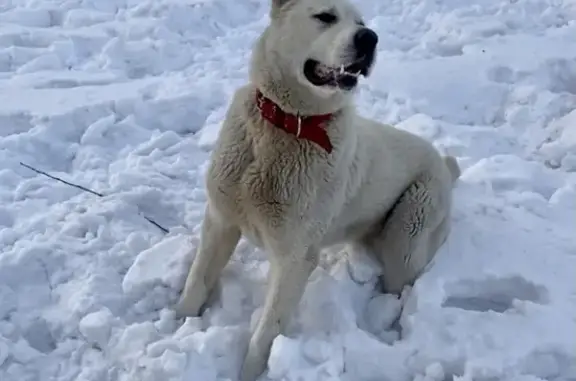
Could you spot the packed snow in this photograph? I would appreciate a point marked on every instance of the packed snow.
(126, 97)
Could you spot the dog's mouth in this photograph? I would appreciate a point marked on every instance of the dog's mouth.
(344, 77)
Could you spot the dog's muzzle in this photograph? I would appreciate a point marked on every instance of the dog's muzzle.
(365, 41)
(345, 76)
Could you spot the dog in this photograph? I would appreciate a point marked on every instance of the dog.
(295, 169)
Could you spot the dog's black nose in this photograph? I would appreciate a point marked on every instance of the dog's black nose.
(365, 40)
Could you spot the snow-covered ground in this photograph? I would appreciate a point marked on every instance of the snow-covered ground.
(126, 97)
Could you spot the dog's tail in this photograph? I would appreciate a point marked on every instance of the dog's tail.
(453, 167)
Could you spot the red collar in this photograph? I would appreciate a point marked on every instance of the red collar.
(304, 127)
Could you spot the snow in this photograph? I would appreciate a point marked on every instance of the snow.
(126, 98)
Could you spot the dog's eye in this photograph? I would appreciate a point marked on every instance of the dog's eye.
(326, 18)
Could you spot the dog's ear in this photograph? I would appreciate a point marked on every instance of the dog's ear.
(277, 5)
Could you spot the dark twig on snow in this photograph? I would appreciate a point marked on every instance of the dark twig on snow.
(62, 181)
(156, 224)
(87, 190)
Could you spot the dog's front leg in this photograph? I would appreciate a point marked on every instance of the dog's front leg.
(288, 276)
(218, 239)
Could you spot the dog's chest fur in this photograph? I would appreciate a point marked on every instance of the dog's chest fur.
(259, 174)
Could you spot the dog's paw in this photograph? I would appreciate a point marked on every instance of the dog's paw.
(192, 305)
(189, 306)
(254, 364)
(184, 310)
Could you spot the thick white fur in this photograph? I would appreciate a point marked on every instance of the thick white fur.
(381, 189)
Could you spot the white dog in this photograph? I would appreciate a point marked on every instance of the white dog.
(296, 169)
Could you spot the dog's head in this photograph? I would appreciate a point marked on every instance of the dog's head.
(314, 48)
